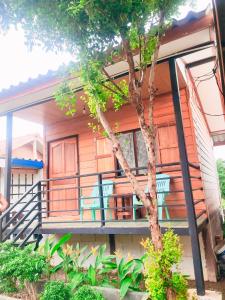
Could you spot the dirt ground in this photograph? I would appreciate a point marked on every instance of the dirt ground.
(215, 286)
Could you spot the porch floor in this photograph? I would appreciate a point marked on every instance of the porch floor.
(60, 225)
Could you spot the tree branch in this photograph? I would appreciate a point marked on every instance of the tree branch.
(113, 91)
(112, 81)
(117, 150)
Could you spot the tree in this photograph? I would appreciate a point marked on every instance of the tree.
(99, 33)
(221, 173)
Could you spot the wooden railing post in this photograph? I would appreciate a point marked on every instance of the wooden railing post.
(101, 198)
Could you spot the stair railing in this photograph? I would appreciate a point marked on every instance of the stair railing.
(23, 218)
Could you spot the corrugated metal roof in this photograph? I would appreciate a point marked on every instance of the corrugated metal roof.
(27, 163)
(23, 163)
(51, 75)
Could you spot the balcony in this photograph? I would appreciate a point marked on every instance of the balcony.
(103, 203)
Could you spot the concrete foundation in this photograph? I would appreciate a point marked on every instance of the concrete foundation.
(130, 246)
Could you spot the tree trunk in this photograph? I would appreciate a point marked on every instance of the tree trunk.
(148, 132)
(148, 201)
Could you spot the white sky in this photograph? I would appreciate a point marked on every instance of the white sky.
(17, 64)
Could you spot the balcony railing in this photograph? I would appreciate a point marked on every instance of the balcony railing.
(81, 200)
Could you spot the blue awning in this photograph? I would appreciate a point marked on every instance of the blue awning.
(27, 163)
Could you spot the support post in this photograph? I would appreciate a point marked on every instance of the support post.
(8, 157)
(39, 203)
(193, 231)
(101, 198)
(112, 243)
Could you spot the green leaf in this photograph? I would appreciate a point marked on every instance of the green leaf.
(64, 239)
(124, 286)
(92, 275)
(76, 280)
(57, 268)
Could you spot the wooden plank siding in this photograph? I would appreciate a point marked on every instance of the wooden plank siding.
(94, 157)
(204, 145)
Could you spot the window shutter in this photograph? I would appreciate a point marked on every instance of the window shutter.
(104, 156)
(168, 151)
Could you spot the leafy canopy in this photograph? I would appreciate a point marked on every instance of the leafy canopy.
(221, 173)
(92, 30)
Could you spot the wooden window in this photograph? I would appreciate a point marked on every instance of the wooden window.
(134, 149)
(167, 147)
(104, 155)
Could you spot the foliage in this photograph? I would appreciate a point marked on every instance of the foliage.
(56, 290)
(26, 265)
(49, 248)
(130, 274)
(221, 173)
(7, 253)
(94, 33)
(87, 293)
(19, 268)
(158, 268)
(92, 275)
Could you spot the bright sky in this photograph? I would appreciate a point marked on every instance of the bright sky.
(18, 64)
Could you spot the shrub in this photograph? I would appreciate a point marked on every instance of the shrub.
(7, 278)
(87, 293)
(158, 268)
(19, 268)
(28, 265)
(56, 290)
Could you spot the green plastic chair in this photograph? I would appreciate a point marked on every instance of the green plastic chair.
(107, 189)
(163, 188)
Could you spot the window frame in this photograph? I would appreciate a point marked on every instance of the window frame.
(117, 167)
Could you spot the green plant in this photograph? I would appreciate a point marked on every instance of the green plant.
(93, 275)
(49, 248)
(56, 290)
(221, 173)
(100, 266)
(28, 265)
(7, 281)
(130, 275)
(73, 259)
(20, 267)
(159, 278)
(87, 293)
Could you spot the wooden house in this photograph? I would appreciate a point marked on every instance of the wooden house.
(189, 115)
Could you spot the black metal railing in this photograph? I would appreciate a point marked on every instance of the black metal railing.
(72, 200)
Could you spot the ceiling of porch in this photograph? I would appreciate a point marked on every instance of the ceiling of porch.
(48, 113)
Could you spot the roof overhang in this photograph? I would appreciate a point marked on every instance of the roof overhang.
(178, 41)
(198, 71)
(21, 163)
(219, 20)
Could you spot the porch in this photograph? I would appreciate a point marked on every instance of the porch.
(103, 203)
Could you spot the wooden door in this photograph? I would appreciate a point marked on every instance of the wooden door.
(63, 162)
